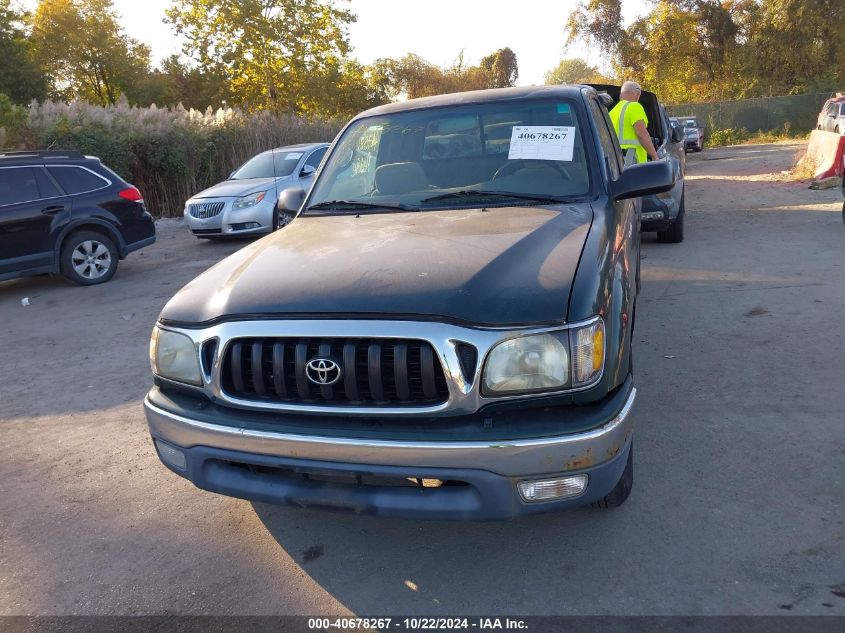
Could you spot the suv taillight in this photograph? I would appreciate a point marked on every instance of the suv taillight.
(132, 194)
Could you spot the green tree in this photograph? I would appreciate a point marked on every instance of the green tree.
(21, 78)
(271, 51)
(177, 82)
(13, 120)
(413, 76)
(794, 45)
(342, 90)
(698, 50)
(668, 64)
(599, 22)
(501, 68)
(84, 49)
(574, 71)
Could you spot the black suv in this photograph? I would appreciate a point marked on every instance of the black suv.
(62, 211)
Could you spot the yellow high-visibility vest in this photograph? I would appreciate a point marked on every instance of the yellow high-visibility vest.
(623, 116)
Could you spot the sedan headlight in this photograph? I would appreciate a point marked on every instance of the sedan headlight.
(249, 201)
(174, 356)
(553, 361)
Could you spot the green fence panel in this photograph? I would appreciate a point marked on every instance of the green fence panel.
(763, 114)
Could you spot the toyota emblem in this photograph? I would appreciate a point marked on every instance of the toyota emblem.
(323, 371)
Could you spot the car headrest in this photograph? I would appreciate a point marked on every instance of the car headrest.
(397, 178)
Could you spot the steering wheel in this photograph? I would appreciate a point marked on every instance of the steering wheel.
(514, 165)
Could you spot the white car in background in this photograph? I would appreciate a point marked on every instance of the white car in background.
(245, 204)
(832, 116)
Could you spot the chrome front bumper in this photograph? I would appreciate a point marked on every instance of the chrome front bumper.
(222, 223)
(574, 452)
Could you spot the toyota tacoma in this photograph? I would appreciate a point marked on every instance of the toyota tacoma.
(442, 330)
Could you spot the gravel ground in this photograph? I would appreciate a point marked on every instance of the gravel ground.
(738, 506)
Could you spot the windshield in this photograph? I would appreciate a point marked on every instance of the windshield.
(690, 123)
(261, 166)
(530, 151)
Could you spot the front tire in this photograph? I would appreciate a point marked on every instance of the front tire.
(622, 490)
(88, 258)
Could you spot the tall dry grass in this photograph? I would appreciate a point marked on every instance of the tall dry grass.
(168, 153)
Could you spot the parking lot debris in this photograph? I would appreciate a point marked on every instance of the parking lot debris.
(826, 183)
(25, 301)
(670, 357)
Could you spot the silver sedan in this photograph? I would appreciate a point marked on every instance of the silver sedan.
(245, 204)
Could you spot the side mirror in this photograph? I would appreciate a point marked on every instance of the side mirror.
(643, 179)
(307, 170)
(677, 134)
(290, 200)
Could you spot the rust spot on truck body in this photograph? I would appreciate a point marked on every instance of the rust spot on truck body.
(585, 460)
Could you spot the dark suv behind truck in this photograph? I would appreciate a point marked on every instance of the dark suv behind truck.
(443, 331)
(663, 212)
(64, 212)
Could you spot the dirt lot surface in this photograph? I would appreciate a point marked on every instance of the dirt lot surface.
(738, 505)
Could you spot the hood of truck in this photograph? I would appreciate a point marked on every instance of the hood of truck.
(497, 266)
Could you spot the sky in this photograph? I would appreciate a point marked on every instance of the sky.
(436, 30)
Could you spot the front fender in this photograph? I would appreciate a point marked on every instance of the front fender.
(605, 284)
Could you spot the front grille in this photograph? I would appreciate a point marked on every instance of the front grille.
(205, 210)
(372, 371)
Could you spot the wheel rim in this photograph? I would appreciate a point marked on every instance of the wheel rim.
(91, 259)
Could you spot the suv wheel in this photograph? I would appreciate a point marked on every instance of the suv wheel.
(88, 258)
(622, 490)
(675, 233)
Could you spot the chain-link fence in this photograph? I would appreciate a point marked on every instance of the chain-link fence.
(798, 113)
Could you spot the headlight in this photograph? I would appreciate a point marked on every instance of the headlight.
(529, 363)
(249, 201)
(587, 353)
(173, 356)
(555, 361)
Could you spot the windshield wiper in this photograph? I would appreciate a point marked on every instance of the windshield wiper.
(480, 193)
(348, 205)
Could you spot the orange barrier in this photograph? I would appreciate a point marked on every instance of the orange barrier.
(825, 154)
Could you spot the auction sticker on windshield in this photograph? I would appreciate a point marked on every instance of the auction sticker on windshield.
(542, 142)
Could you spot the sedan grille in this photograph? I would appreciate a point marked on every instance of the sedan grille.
(351, 371)
(205, 210)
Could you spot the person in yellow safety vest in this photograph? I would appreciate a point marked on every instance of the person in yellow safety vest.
(630, 121)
